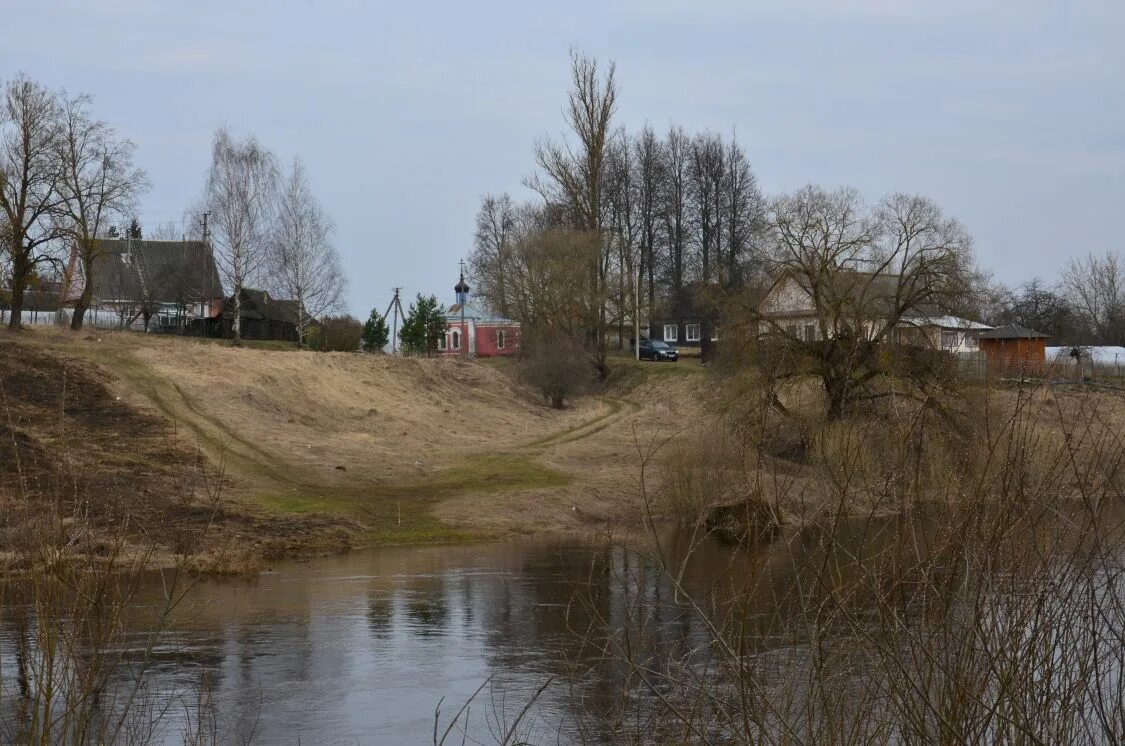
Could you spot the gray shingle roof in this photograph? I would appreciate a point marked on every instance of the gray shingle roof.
(159, 271)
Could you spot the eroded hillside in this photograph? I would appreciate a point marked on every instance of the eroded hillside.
(321, 452)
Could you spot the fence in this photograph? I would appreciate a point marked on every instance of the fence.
(976, 365)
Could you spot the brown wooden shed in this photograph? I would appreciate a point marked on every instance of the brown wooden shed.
(1014, 345)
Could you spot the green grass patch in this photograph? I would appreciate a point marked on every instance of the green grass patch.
(401, 513)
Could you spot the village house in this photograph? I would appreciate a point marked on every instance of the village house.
(263, 317)
(146, 285)
(682, 322)
(471, 331)
(864, 299)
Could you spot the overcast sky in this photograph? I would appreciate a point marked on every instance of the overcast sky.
(1011, 116)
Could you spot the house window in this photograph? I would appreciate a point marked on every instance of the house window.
(455, 338)
(500, 339)
(691, 332)
(948, 340)
(671, 333)
(793, 331)
(810, 332)
(441, 342)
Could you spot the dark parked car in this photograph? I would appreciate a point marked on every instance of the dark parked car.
(655, 350)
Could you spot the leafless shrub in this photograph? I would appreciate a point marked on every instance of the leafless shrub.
(556, 364)
(989, 608)
(337, 334)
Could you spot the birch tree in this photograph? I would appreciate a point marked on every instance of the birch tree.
(29, 183)
(240, 195)
(304, 265)
(98, 183)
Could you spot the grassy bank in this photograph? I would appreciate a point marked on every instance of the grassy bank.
(317, 453)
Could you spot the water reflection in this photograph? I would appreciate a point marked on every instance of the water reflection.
(362, 648)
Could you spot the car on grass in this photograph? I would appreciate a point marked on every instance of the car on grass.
(657, 351)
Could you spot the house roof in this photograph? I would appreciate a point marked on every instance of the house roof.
(159, 271)
(1013, 331)
(856, 288)
(472, 313)
(259, 304)
(946, 321)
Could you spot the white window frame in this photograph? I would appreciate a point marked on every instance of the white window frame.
(950, 340)
(688, 336)
(674, 336)
(441, 342)
(455, 339)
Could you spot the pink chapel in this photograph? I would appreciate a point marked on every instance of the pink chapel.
(470, 331)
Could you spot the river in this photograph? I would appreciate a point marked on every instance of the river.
(379, 646)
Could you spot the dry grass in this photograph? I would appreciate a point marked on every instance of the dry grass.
(328, 451)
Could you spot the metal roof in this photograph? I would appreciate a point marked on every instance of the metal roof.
(1013, 331)
(473, 313)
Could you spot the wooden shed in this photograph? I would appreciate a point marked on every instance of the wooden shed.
(1014, 345)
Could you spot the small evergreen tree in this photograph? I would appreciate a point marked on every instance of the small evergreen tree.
(375, 333)
(424, 324)
(134, 230)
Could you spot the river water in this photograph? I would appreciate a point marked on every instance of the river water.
(366, 647)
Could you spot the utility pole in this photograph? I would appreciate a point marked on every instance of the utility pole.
(208, 274)
(462, 302)
(396, 306)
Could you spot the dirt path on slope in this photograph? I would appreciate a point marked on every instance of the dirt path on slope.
(322, 452)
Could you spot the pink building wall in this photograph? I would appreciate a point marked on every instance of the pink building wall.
(485, 339)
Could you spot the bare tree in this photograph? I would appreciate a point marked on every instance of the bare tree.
(862, 272)
(168, 231)
(29, 183)
(98, 183)
(573, 177)
(1095, 286)
(623, 230)
(490, 262)
(557, 364)
(240, 195)
(675, 210)
(649, 178)
(745, 214)
(304, 265)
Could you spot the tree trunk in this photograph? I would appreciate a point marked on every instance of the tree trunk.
(236, 322)
(300, 323)
(19, 281)
(836, 387)
(80, 307)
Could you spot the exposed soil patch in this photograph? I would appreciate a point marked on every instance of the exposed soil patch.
(80, 466)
